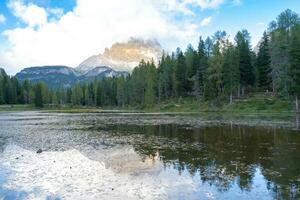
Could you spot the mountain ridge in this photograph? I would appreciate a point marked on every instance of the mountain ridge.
(64, 76)
(118, 60)
(124, 56)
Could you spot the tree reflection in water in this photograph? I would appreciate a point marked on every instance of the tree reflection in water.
(223, 155)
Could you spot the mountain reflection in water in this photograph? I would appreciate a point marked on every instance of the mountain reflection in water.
(214, 161)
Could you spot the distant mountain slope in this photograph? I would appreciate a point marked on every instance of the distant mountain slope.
(63, 76)
(116, 61)
(2, 71)
(53, 76)
(124, 56)
(101, 72)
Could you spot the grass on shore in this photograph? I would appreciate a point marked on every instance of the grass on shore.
(256, 104)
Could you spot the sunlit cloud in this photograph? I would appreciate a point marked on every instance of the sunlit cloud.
(29, 14)
(206, 21)
(50, 36)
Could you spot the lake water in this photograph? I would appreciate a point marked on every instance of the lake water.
(147, 156)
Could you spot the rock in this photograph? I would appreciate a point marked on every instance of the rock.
(39, 151)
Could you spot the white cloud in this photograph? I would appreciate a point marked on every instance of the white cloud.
(52, 37)
(206, 3)
(57, 12)
(206, 21)
(2, 19)
(88, 29)
(29, 14)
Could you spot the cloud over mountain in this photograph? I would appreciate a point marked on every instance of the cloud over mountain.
(50, 37)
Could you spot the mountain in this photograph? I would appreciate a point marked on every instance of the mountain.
(53, 76)
(101, 72)
(114, 62)
(2, 71)
(63, 76)
(124, 56)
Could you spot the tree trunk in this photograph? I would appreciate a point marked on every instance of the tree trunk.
(239, 91)
(297, 121)
(230, 98)
(297, 104)
(243, 91)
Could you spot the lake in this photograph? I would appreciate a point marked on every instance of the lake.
(148, 156)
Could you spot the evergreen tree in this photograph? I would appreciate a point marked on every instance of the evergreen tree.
(294, 68)
(150, 86)
(26, 91)
(99, 95)
(215, 70)
(247, 77)
(231, 71)
(263, 64)
(180, 74)
(280, 36)
(77, 95)
(202, 65)
(121, 91)
(69, 96)
(166, 83)
(38, 96)
(1, 89)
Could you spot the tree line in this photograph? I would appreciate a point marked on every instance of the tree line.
(218, 70)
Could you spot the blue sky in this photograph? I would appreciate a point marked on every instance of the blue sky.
(44, 32)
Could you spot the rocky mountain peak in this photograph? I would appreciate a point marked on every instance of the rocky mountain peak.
(124, 56)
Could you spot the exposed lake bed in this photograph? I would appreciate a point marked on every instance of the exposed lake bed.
(147, 156)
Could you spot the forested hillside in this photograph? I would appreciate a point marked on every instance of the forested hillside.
(218, 70)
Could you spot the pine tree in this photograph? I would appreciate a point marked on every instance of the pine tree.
(294, 68)
(247, 77)
(150, 88)
(1, 89)
(69, 96)
(77, 95)
(215, 71)
(99, 95)
(263, 64)
(38, 96)
(121, 93)
(180, 74)
(231, 71)
(280, 36)
(202, 65)
(26, 91)
(192, 65)
(166, 81)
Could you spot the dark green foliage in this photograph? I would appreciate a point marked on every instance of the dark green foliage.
(231, 71)
(247, 77)
(217, 71)
(181, 83)
(279, 50)
(294, 67)
(166, 78)
(263, 64)
(199, 77)
(38, 96)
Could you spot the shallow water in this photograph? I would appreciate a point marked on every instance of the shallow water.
(140, 156)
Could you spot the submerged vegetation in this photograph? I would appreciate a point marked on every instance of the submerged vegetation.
(217, 76)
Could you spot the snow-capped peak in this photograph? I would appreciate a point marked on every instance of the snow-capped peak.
(124, 56)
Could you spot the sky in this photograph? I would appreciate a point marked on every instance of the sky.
(66, 32)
